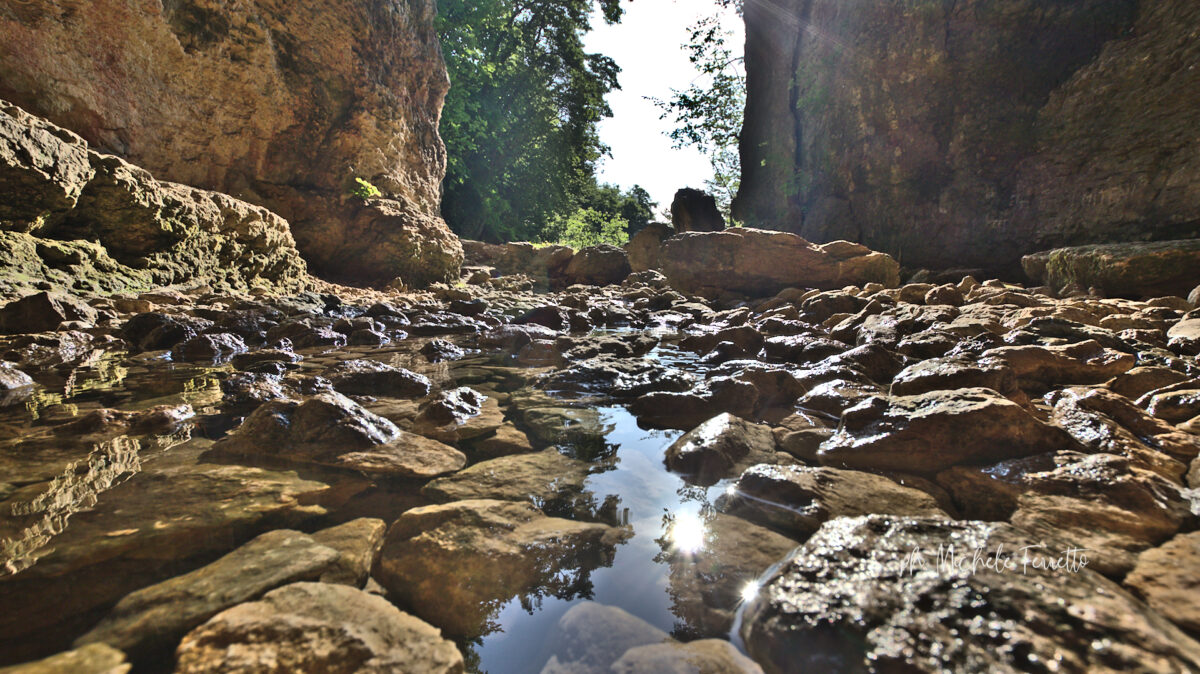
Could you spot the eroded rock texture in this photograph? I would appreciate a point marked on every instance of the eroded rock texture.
(957, 133)
(283, 104)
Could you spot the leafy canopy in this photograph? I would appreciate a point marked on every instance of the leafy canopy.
(520, 119)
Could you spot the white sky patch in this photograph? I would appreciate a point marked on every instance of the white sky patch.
(647, 44)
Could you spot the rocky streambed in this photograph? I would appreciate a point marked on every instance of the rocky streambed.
(959, 476)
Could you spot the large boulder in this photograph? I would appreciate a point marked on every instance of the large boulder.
(878, 593)
(645, 247)
(598, 266)
(761, 263)
(695, 211)
(285, 108)
(1120, 269)
(968, 133)
(95, 222)
(317, 627)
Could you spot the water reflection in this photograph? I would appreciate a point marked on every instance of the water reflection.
(686, 531)
(78, 488)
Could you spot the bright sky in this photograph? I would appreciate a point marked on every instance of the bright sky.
(647, 46)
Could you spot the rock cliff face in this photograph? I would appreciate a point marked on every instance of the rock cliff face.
(280, 103)
(93, 222)
(968, 132)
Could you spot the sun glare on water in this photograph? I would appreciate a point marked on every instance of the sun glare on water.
(687, 533)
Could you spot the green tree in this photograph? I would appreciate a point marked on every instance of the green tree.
(589, 227)
(520, 119)
(633, 206)
(708, 114)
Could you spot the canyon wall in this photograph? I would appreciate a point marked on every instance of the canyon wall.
(966, 133)
(281, 103)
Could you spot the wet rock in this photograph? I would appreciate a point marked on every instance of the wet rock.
(707, 656)
(616, 377)
(373, 378)
(453, 407)
(305, 336)
(90, 659)
(835, 396)
(357, 543)
(149, 622)
(549, 316)
(439, 350)
(685, 411)
(331, 430)
(211, 348)
(506, 441)
(745, 337)
(590, 637)
(14, 384)
(721, 447)
(1172, 406)
(1141, 380)
(547, 479)
(311, 627)
(801, 436)
(50, 350)
(943, 374)
(248, 362)
(797, 500)
(43, 312)
(598, 266)
(759, 262)
(1050, 366)
(930, 432)
(244, 392)
(163, 520)
(510, 338)
(869, 592)
(1108, 423)
(714, 558)
(1168, 578)
(506, 549)
(578, 430)
(539, 353)
(156, 331)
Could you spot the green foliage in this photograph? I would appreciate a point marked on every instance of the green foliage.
(520, 119)
(708, 114)
(364, 190)
(589, 227)
(633, 206)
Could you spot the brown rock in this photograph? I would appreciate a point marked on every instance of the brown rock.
(597, 266)
(761, 263)
(506, 549)
(721, 447)
(706, 656)
(645, 247)
(1141, 380)
(317, 627)
(91, 659)
(1047, 366)
(43, 312)
(1168, 578)
(1121, 269)
(286, 107)
(357, 543)
(930, 432)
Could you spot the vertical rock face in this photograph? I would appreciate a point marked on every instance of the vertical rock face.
(969, 132)
(281, 103)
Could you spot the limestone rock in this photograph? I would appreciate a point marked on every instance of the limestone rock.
(597, 266)
(506, 549)
(706, 656)
(761, 263)
(286, 108)
(43, 169)
(90, 659)
(373, 378)
(1168, 578)
(645, 247)
(357, 543)
(869, 592)
(721, 447)
(329, 429)
(547, 479)
(1084, 362)
(1121, 269)
(149, 622)
(797, 500)
(1069, 152)
(43, 312)
(933, 431)
(317, 627)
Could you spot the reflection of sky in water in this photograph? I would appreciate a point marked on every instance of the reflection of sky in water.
(635, 582)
